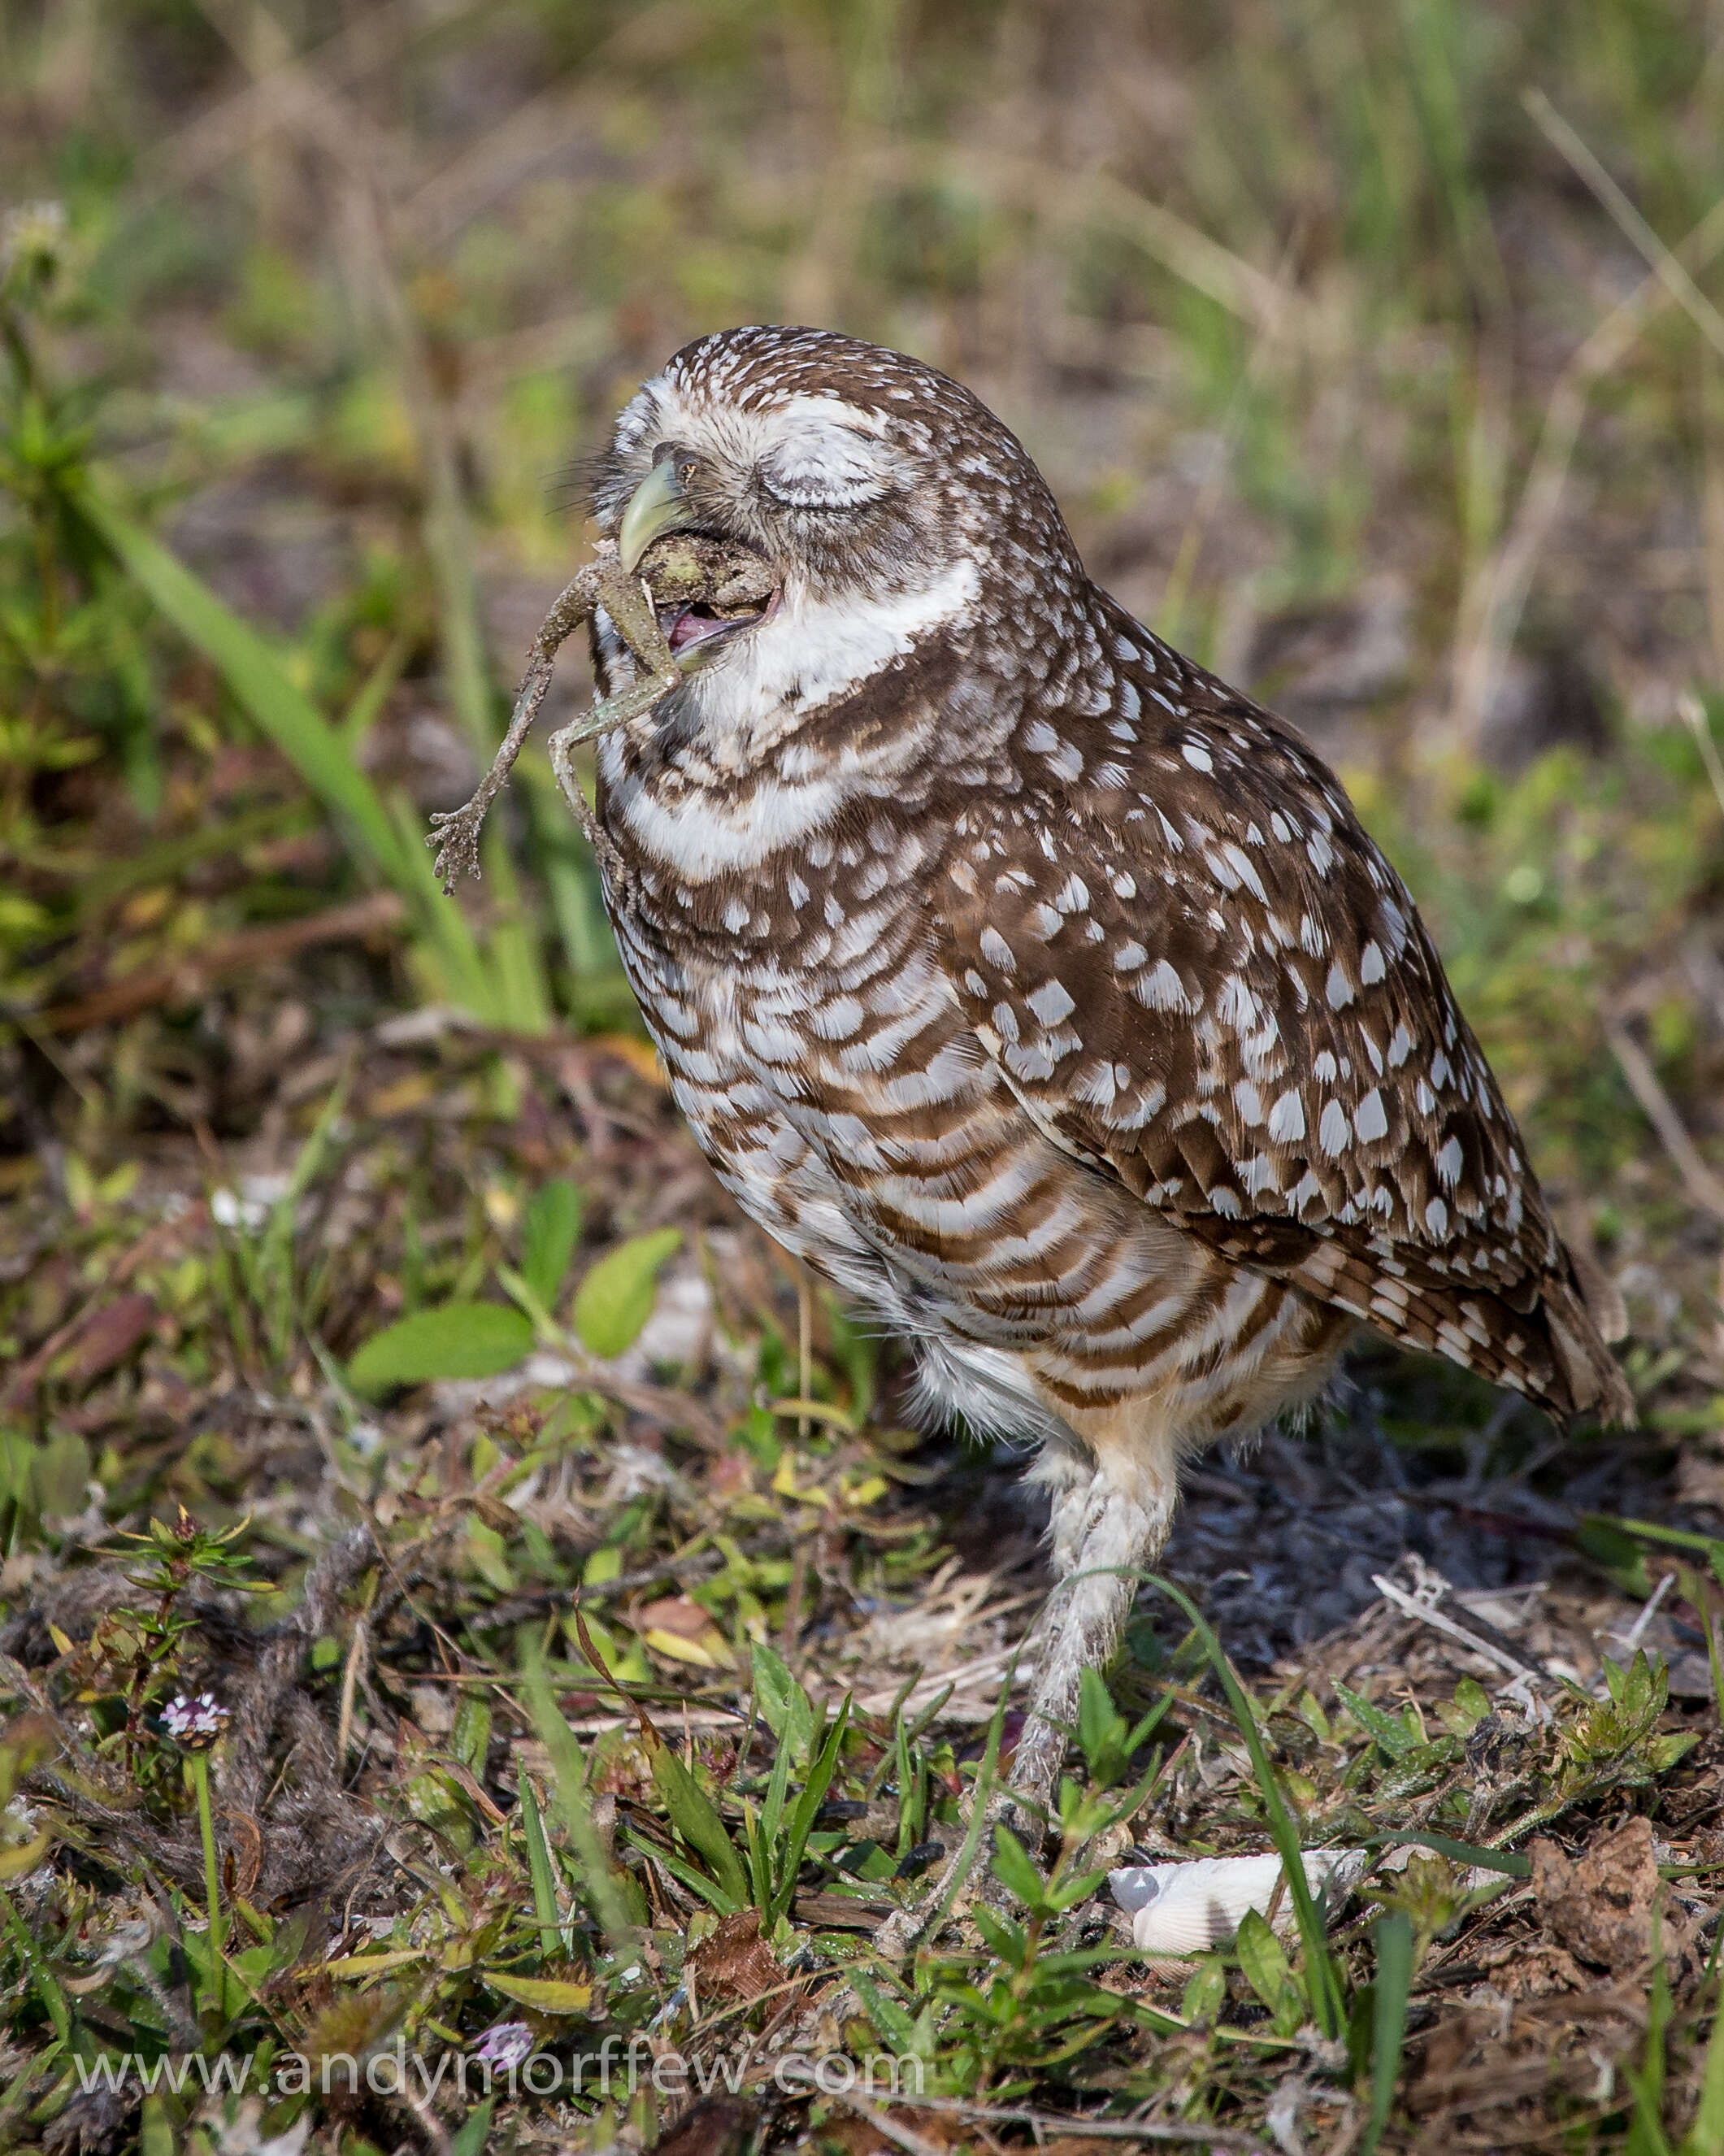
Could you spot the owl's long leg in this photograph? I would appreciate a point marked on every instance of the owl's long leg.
(1106, 1529)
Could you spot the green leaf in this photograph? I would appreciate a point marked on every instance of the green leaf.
(802, 1818)
(470, 1740)
(695, 1818)
(1102, 1730)
(155, 2128)
(63, 1472)
(538, 1865)
(1390, 1730)
(1205, 1995)
(1262, 1959)
(472, 2136)
(785, 1707)
(615, 1299)
(1012, 1868)
(891, 2020)
(548, 1236)
(459, 1340)
(548, 1993)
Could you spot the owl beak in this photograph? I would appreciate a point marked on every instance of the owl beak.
(657, 505)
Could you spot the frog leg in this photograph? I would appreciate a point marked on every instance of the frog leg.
(455, 832)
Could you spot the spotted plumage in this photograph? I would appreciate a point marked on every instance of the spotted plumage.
(1038, 989)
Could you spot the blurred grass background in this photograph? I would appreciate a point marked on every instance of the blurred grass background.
(1352, 372)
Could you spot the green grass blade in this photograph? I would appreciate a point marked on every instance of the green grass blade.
(282, 711)
(772, 1815)
(695, 1818)
(1393, 1937)
(807, 1805)
(1328, 1994)
(569, 1795)
(1705, 2136)
(275, 704)
(538, 1865)
(1506, 1861)
(692, 1876)
(1646, 2135)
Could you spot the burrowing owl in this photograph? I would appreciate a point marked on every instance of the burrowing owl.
(1038, 990)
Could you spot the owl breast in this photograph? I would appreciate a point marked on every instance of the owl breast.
(816, 1047)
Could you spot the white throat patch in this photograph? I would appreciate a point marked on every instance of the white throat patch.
(810, 652)
(751, 698)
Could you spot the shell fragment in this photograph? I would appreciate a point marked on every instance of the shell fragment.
(1187, 1909)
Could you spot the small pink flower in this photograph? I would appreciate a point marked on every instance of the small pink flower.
(195, 1723)
(503, 2048)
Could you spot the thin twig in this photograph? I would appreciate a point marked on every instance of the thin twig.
(1110, 2129)
(357, 1653)
(246, 949)
(888, 2128)
(1506, 580)
(1694, 714)
(1629, 221)
(1701, 1183)
(1440, 1621)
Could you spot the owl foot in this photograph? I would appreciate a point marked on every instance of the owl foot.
(1104, 1534)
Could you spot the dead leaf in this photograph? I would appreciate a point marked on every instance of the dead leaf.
(106, 1339)
(717, 2126)
(1522, 1971)
(675, 1614)
(1600, 1908)
(683, 1630)
(735, 1962)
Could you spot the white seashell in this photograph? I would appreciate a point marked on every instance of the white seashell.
(1187, 1909)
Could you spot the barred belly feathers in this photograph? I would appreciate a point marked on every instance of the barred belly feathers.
(1038, 990)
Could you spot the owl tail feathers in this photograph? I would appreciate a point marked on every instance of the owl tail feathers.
(1580, 1314)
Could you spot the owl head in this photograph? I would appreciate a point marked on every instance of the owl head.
(890, 503)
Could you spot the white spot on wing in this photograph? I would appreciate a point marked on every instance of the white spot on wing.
(1369, 1119)
(1287, 1119)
